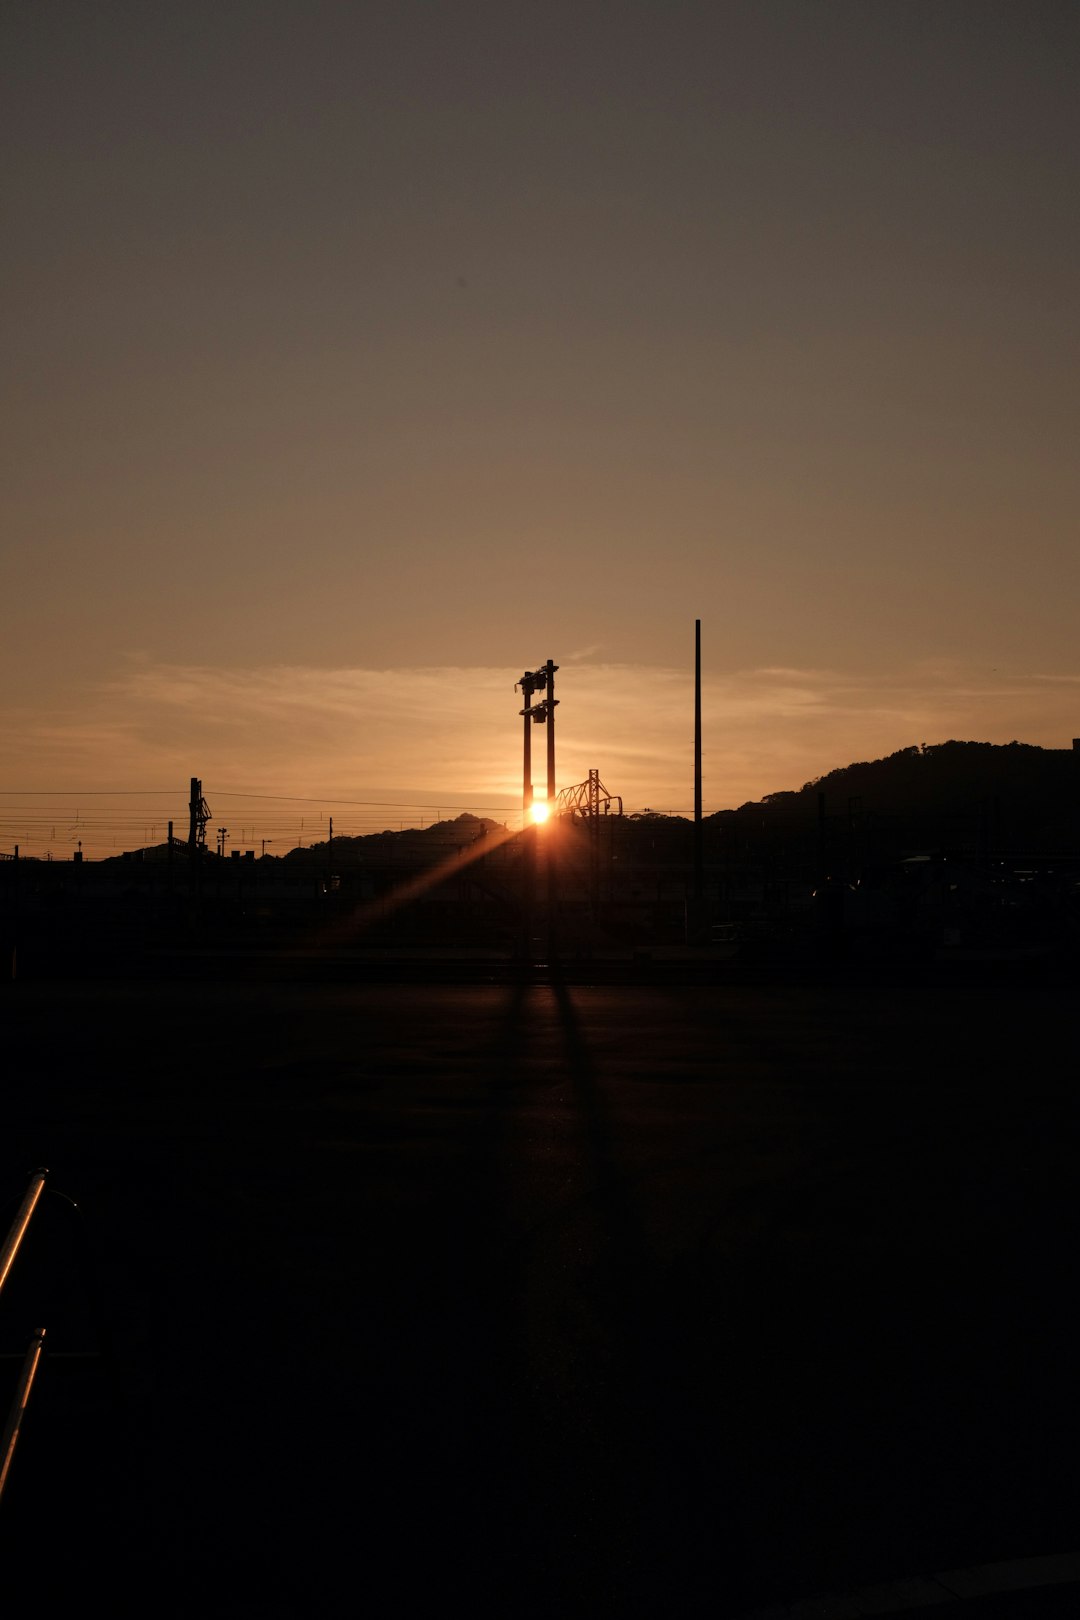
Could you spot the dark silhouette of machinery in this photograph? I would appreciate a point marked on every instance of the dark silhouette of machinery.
(588, 800)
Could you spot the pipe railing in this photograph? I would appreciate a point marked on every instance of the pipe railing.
(12, 1243)
(19, 1225)
(18, 1405)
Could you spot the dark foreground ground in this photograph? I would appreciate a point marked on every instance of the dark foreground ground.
(537, 1300)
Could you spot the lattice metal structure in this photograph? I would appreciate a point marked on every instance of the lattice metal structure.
(199, 813)
(588, 800)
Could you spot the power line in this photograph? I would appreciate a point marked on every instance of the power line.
(233, 793)
(89, 793)
(98, 821)
(383, 804)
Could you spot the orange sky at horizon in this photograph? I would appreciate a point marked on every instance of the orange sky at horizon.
(280, 750)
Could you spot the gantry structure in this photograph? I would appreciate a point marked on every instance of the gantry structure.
(538, 714)
(588, 800)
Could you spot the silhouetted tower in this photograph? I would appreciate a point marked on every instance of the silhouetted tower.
(538, 680)
(199, 814)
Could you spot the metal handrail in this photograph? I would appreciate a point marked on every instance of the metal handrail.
(32, 1358)
(16, 1233)
(18, 1226)
(18, 1405)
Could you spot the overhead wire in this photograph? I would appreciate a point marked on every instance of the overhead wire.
(106, 827)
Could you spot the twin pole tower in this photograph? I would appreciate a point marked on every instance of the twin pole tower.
(542, 713)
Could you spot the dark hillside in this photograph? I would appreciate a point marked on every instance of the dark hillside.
(413, 844)
(972, 797)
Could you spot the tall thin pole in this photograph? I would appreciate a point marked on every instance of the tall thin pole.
(526, 787)
(551, 668)
(549, 842)
(699, 859)
(594, 839)
(194, 870)
(528, 832)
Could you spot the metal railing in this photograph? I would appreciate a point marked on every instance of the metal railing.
(12, 1243)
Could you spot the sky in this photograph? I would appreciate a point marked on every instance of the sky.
(359, 357)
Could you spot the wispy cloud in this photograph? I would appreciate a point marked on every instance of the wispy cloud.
(453, 734)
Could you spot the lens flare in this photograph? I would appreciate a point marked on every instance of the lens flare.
(540, 811)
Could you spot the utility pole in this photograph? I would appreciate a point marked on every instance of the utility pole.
(550, 842)
(550, 703)
(527, 684)
(198, 816)
(699, 853)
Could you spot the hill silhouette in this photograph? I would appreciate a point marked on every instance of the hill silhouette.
(410, 843)
(974, 797)
(973, 840)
